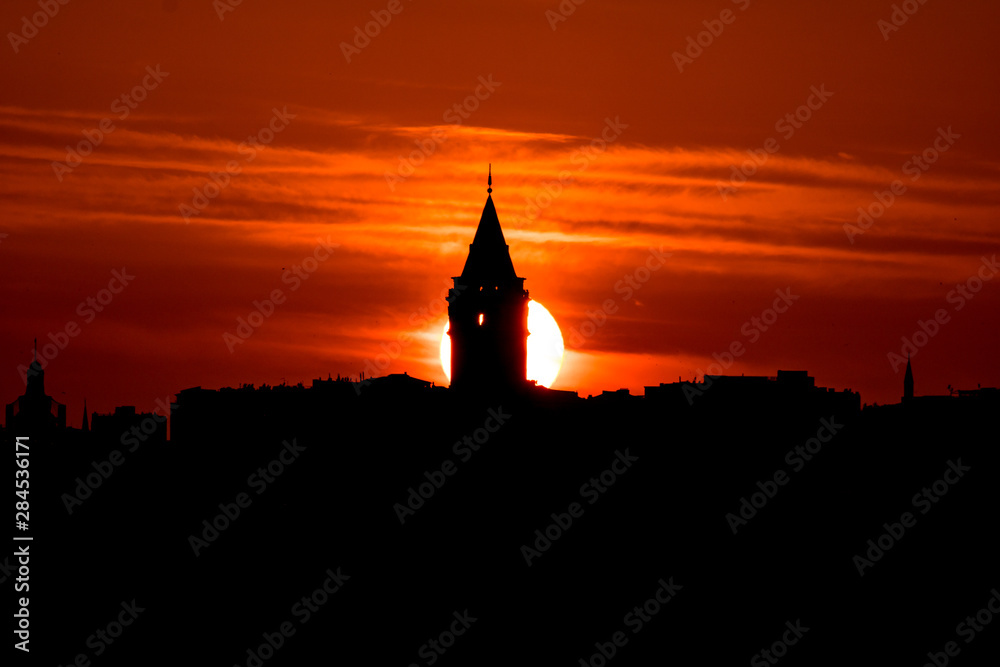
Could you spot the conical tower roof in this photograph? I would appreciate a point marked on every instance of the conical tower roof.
(489, 256)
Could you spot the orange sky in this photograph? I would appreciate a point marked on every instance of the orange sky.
(548, 94)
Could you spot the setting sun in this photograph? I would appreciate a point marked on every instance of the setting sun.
(545, 346)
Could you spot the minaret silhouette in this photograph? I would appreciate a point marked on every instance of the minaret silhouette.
(488, 314)
(908, 381)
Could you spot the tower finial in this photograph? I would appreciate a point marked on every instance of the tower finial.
(489, 180)
(36, 350)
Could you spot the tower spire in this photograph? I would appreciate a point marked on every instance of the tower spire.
(488, 324)
(36, 351)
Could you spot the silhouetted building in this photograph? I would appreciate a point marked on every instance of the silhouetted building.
(237, 414)
(956, 400)
(230, 416)
(618, 396)
(395, 383)
(35, 412)
(488, 314)
(126, 423)
(789, 391)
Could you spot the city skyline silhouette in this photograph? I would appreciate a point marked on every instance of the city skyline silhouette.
(493, 356)
(709, 376)
(488, 317)
(408, 488)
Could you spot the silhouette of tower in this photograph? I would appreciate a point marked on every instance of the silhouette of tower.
(488, 313)
(86, 426)
(34, 411)
(908, 381)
